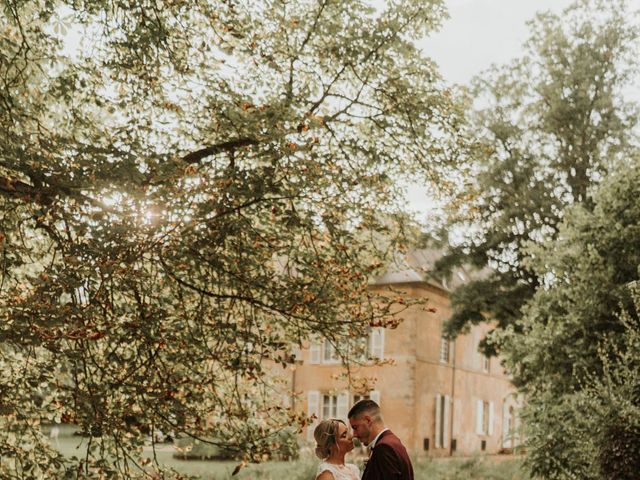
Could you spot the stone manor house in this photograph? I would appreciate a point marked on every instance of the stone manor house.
(440, 397)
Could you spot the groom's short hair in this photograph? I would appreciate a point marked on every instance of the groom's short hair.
(365, 407)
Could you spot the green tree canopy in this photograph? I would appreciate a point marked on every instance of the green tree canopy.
(575, 351)
(188, 189)
(553, 123)
(552, 221)
(586, 273)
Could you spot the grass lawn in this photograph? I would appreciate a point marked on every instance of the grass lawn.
(490, 467)
(477, 468)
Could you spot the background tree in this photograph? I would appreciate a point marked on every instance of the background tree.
(550, 217)
(575, 351)
(554, 123)
(188, 189)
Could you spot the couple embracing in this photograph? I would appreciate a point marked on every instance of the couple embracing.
(388, 458)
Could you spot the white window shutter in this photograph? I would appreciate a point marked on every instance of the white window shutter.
(314, 352)
(479, 408)
(506, 434)
(377, 343)
(445, 430)
(438, 438)
(375, 396)
(343, 406)
(313, 408)
(295, 351)
(490, 418)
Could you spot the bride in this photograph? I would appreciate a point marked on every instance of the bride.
(333, 442)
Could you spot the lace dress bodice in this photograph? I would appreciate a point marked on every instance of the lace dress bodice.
(340, 472)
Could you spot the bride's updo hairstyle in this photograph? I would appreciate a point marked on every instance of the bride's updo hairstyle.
(326, 434)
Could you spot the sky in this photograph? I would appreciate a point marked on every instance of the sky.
(477, 34)
(481, 32)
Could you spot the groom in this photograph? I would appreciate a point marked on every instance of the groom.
(388, 458)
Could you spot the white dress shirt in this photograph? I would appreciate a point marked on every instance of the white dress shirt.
(375, 440)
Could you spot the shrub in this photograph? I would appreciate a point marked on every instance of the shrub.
(284, 447)
(189, 448)
(593, 433)
(619, 455)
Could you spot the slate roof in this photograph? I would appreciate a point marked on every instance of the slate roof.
(416, 266)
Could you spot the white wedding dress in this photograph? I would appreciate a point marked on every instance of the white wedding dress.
(340, 472)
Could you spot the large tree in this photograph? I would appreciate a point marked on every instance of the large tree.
(187, 190)
(553, 124)
(575, 351)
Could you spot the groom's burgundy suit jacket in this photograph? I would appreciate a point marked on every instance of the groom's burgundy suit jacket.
(389, 460)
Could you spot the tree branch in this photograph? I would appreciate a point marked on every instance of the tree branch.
(230, 146)
(17, 188)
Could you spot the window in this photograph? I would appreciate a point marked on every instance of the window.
(329, 406)
(335, 406)
(510, 427)
(372, 395)
(376, 343)
(313, 401)
(361, 348)
(485, 364)
(371, 346)
(81, 294)
(444, 349)
(296, 353)
(324, 406)
(442, 421)
(508, 430)
(323, 351)
(484, 417)
(329, 353)
(314, 352)
(357, 398)
(481, 361)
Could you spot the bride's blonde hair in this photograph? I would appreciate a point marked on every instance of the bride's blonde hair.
(326, 434)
